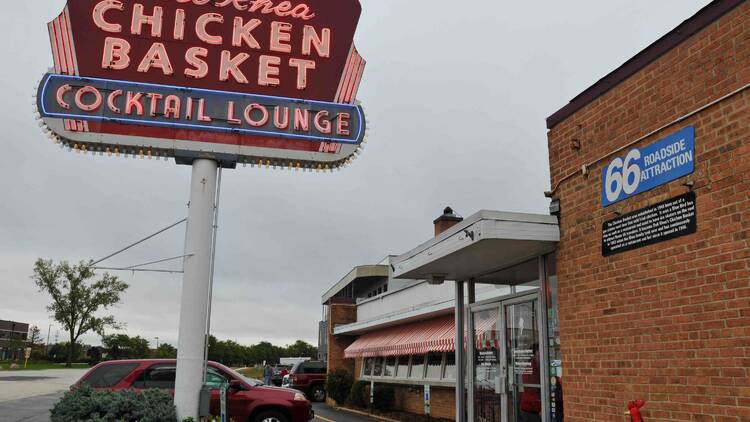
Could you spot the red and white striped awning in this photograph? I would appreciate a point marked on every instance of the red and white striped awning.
(417, 338)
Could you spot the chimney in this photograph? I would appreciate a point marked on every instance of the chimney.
(446, 221)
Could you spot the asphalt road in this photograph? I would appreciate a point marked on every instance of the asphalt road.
(30, 409)
(27, 396)
(326, 414)
(36, 409)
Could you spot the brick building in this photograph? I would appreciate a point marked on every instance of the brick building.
(636, 287)
(13, 337)
(669, 322)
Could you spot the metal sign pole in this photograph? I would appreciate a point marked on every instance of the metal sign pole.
(194, 304)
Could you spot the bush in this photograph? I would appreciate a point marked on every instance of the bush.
(358, 395)
(383, 397)
(338, 385)
(85, 405)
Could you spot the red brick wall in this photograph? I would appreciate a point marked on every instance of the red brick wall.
(340, 312)
(409, 398)
(668, 323)
(442, 401)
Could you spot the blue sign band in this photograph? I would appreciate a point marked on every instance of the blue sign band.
(646, 168)
(183, 108)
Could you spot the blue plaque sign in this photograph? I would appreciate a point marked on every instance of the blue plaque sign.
(643, 169)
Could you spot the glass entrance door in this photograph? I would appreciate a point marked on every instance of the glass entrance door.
(521, 360)
(488, 378)
(507, 361)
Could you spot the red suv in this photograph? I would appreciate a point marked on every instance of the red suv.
(248, 400)
(310, 377)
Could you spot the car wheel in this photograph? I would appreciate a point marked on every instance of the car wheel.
(318, 393)
(271, 416)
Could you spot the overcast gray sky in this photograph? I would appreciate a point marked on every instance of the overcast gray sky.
(456, 93)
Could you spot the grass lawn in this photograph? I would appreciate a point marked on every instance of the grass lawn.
(256, 373)
(5, 365)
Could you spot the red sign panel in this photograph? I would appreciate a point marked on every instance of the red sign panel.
(294, 51)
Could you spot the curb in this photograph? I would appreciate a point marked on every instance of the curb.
(361, 413)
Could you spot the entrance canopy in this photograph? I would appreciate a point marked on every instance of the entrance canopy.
(479, 247)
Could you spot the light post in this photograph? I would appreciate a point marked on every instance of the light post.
(157, 342)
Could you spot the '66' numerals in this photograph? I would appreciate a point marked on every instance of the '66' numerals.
(623, 176)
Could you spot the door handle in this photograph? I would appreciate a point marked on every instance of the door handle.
(501, 386)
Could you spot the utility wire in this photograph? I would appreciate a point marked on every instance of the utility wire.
(159, 261)
(139, 242)
(136, 270)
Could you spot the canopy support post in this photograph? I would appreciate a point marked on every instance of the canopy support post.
(470, 348)
(460, 354)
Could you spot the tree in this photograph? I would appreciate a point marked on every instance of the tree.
(301, 349)
(165, 351)
(59, 352)
(121, 346)
(34, 336)
(265, 351)
(75, 301)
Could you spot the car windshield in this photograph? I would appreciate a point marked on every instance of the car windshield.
(252, 381)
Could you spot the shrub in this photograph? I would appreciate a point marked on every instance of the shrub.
(383, 397)
(358, 395)
(86, 405)
(338, 385)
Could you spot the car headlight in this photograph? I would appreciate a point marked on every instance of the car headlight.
(299, 397)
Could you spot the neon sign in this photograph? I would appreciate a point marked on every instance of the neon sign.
(247, 80)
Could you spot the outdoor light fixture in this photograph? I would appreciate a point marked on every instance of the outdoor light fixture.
(436, 279)
(554, 207)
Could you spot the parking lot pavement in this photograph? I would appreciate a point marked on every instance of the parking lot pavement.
(29, 409)
(15, 385)
(327, 414)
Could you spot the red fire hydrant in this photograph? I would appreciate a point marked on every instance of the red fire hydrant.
(634, 410)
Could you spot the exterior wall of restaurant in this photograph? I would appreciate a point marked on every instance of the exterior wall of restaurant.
(340, 312)
(668, 323)
(442, 401)
(409, 398)
(420, 295)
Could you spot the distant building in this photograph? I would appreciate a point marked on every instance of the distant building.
(13, 336)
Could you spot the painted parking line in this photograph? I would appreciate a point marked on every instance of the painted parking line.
(324, 419)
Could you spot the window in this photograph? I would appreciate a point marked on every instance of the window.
(402, 369)
(378, 367)
(434, 366)
(390, 366)
(417, 367)
(314, 370)
(108, 376)
(214, 378)
(367, 367)
(450, 366)
(157, 376)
